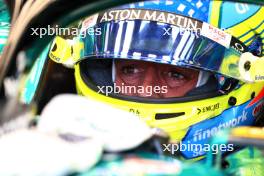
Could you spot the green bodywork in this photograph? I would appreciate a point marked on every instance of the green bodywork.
(247, 162)
(4, 24)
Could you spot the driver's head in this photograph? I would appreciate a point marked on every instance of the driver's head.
(170, 63)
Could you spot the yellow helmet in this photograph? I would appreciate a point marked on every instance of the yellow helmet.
(186, 34)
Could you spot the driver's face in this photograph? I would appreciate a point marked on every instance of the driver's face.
(178, 81)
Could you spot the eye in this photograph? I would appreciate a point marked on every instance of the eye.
(175, 75)
(129, 70)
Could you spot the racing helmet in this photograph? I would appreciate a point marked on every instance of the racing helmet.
(201, 38)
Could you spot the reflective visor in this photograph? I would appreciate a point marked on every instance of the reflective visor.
(161, 37)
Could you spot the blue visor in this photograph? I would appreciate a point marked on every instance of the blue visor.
(192, 44)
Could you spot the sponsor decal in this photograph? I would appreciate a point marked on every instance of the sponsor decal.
(237, 45)
(216, 34)
(134, 111)
(89, 22)
(202, 132)
(257, 98)
(236, 13)
(259, 77)
(258, 109)
(208, 108)
(241, 8)
(150, 15)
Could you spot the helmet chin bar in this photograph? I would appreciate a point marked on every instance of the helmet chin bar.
(251, 67)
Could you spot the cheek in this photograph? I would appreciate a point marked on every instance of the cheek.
(120, 82)
(127, 80)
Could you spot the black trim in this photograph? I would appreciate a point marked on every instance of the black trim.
(168, 115)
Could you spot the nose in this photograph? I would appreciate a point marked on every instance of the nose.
(149, 81)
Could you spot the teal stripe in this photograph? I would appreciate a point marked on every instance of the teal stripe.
(251, 30)
(248, 40)
(261, 32)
